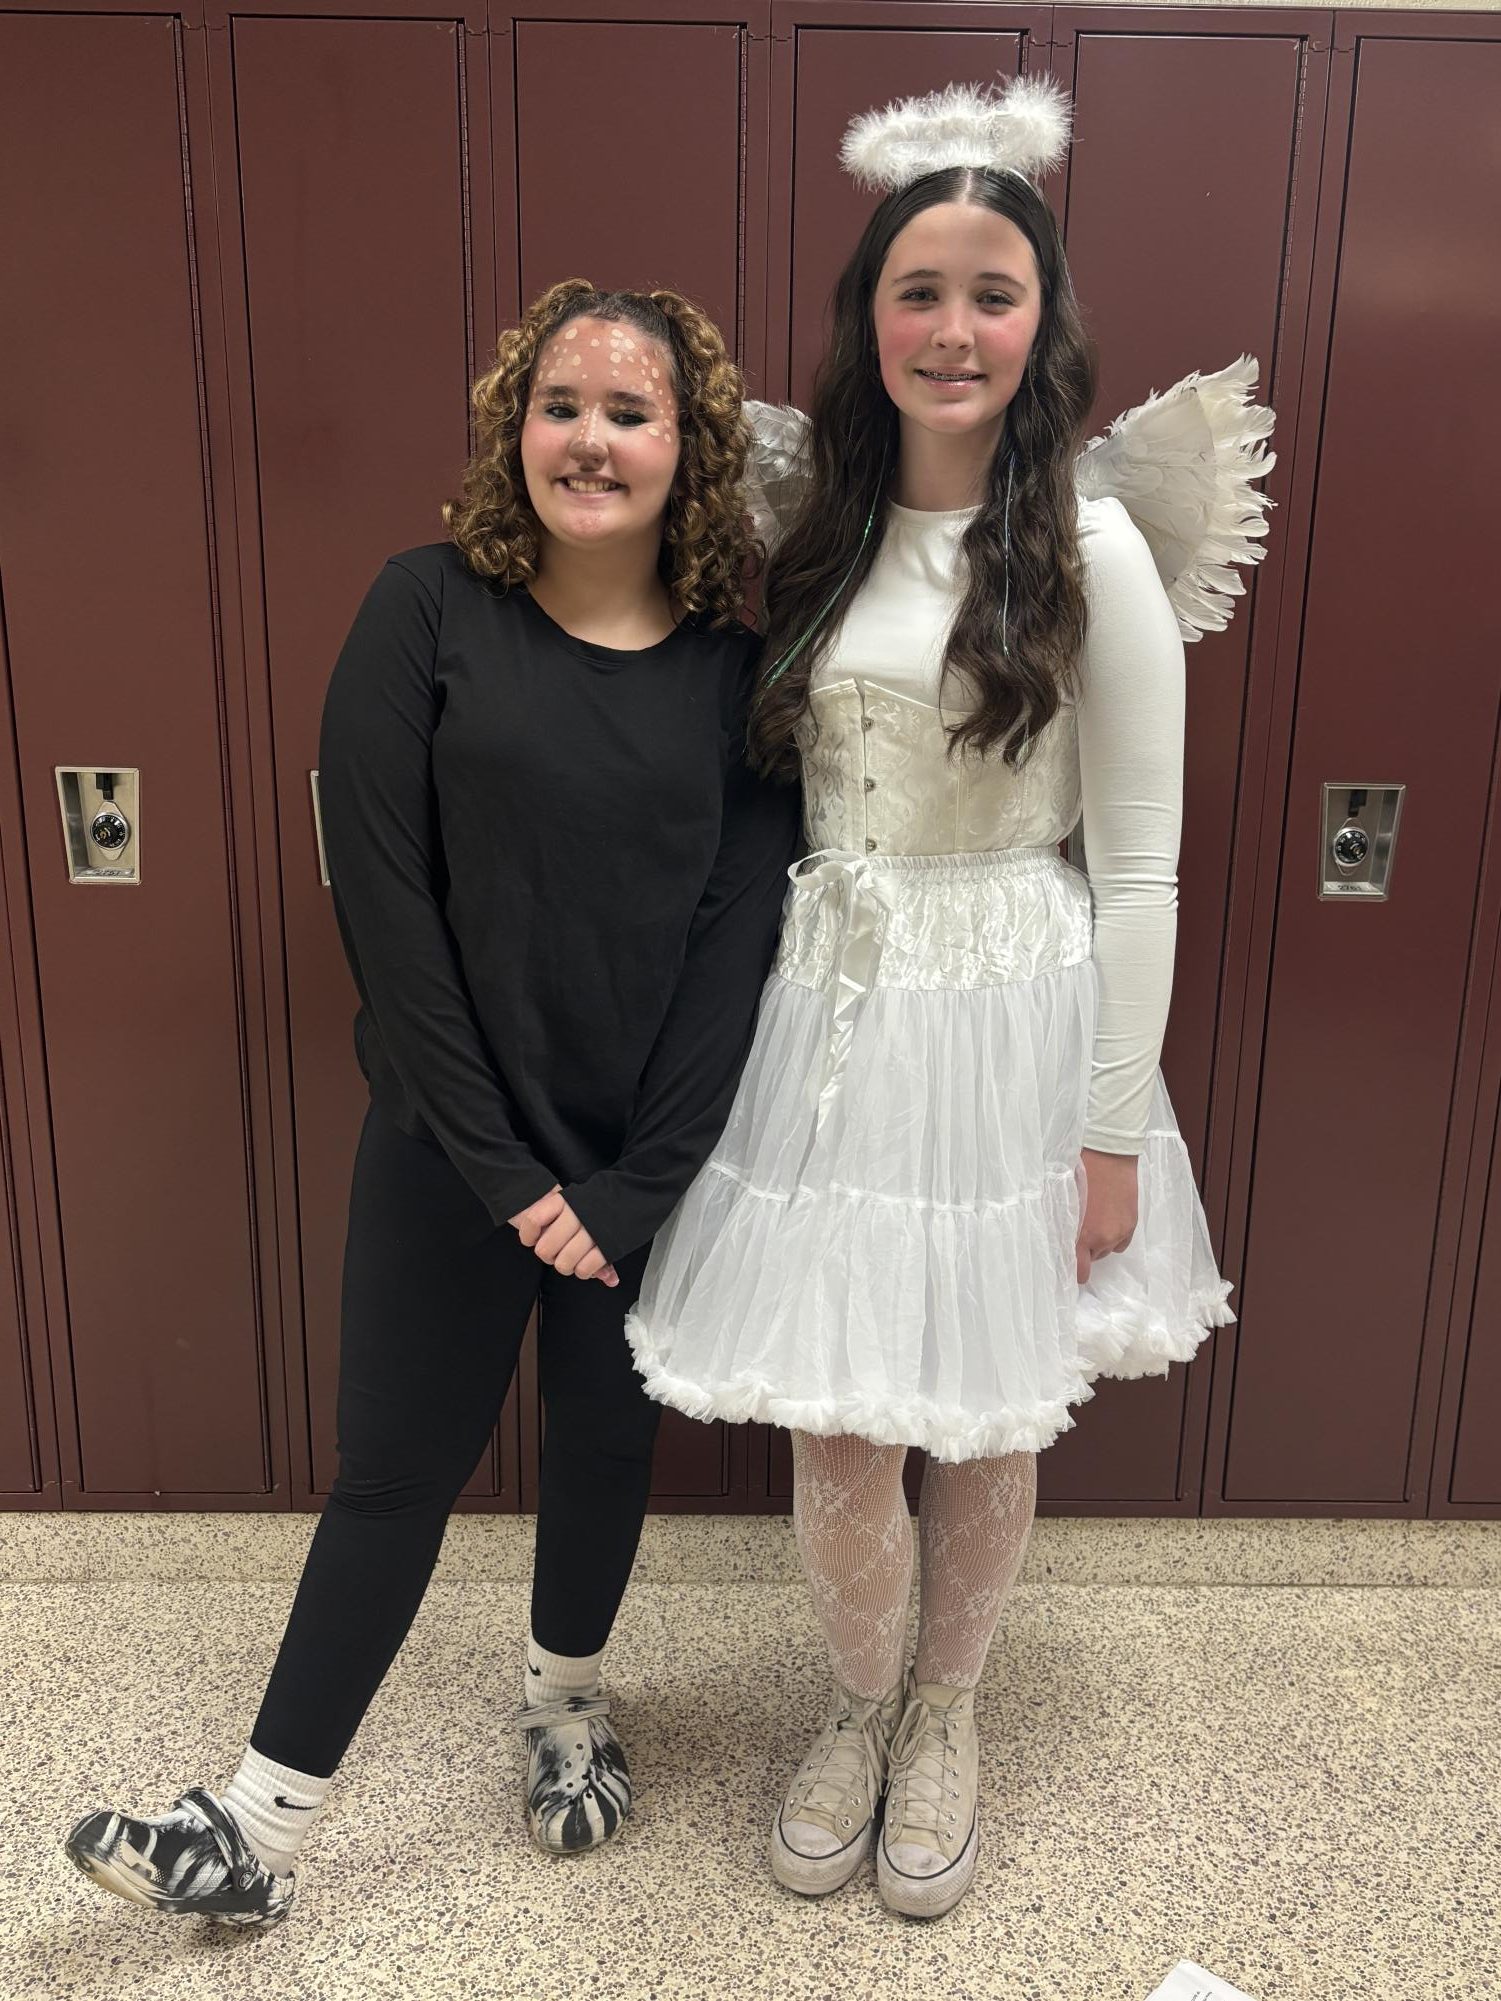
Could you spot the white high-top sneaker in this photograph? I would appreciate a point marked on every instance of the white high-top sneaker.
(822, 1833)
(930, 1837)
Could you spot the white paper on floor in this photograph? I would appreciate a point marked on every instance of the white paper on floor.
(1188, 1982)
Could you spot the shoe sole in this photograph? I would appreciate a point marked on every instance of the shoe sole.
(816, 1875)
(584, 1848)
(122, 1882)
(927, 1896)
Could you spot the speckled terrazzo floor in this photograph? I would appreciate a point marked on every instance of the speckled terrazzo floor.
(1297, 1786)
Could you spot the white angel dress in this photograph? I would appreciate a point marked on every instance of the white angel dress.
(883, 1241)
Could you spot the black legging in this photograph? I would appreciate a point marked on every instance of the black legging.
(436, 1301)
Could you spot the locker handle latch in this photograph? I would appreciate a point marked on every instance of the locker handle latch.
(318, 830)
(1359, 833)
(101, 810)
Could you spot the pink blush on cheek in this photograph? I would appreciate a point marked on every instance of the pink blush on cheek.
(899, 338)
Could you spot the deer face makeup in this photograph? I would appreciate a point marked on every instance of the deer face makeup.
(600, 442)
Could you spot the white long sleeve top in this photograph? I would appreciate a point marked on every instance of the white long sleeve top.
(878, 776)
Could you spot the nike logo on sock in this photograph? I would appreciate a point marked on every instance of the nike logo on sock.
(295, 1806)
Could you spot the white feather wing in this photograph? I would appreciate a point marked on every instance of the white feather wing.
(1182, 464)
(777, 471)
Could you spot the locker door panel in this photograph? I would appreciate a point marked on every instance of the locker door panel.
(1476, 1480)
(633, 218)
(627, 214)
(1175, 118)
(1397, 684)
(116, 664)
(361, 284)
(20, 1460)
(839, 73)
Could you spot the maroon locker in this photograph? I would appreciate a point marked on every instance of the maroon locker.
(1187, 271)
(643, 223)
(118, 663)
(28, 1433)
(1466, 1476)
(21, 1470)
(627, 215)
(1396, 685)
(1211, 100)
(260, 429)
(370, 301)
(831, 63)
(1476, 1478)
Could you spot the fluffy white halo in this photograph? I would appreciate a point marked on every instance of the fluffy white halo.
(1023, 127)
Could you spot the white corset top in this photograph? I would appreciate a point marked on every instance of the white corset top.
(879, 779)
(877, 772)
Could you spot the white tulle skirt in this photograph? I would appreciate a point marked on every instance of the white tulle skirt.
(883, 1240)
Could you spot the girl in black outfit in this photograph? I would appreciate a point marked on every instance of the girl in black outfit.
(558, 887)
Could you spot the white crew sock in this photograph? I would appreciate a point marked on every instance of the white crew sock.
(275, 1807)
(554, 1677)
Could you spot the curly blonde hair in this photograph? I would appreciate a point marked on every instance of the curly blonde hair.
(707, 550)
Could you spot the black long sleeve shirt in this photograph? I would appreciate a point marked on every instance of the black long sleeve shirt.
(558, 888)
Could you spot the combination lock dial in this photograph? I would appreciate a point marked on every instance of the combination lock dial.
(1351, 846)
(109, 830)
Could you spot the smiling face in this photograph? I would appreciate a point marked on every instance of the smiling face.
(600, 443)
(956, 309)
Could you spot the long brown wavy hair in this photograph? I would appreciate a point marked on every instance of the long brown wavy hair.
(854, 446)
(707, 549)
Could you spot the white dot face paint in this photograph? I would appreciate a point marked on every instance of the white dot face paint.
(597, 444)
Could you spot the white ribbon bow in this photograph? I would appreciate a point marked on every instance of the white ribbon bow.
(857, 954)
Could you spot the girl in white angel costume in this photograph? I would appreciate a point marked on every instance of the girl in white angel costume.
(952, 1191)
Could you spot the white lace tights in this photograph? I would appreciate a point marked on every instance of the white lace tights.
(855, 1538)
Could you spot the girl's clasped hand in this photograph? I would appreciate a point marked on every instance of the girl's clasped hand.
(550, 1228)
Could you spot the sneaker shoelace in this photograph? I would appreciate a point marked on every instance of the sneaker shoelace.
(922, 1771)
(847, 1766)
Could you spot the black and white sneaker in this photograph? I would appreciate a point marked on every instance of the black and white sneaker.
(193, 1860)
(578, 1784)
